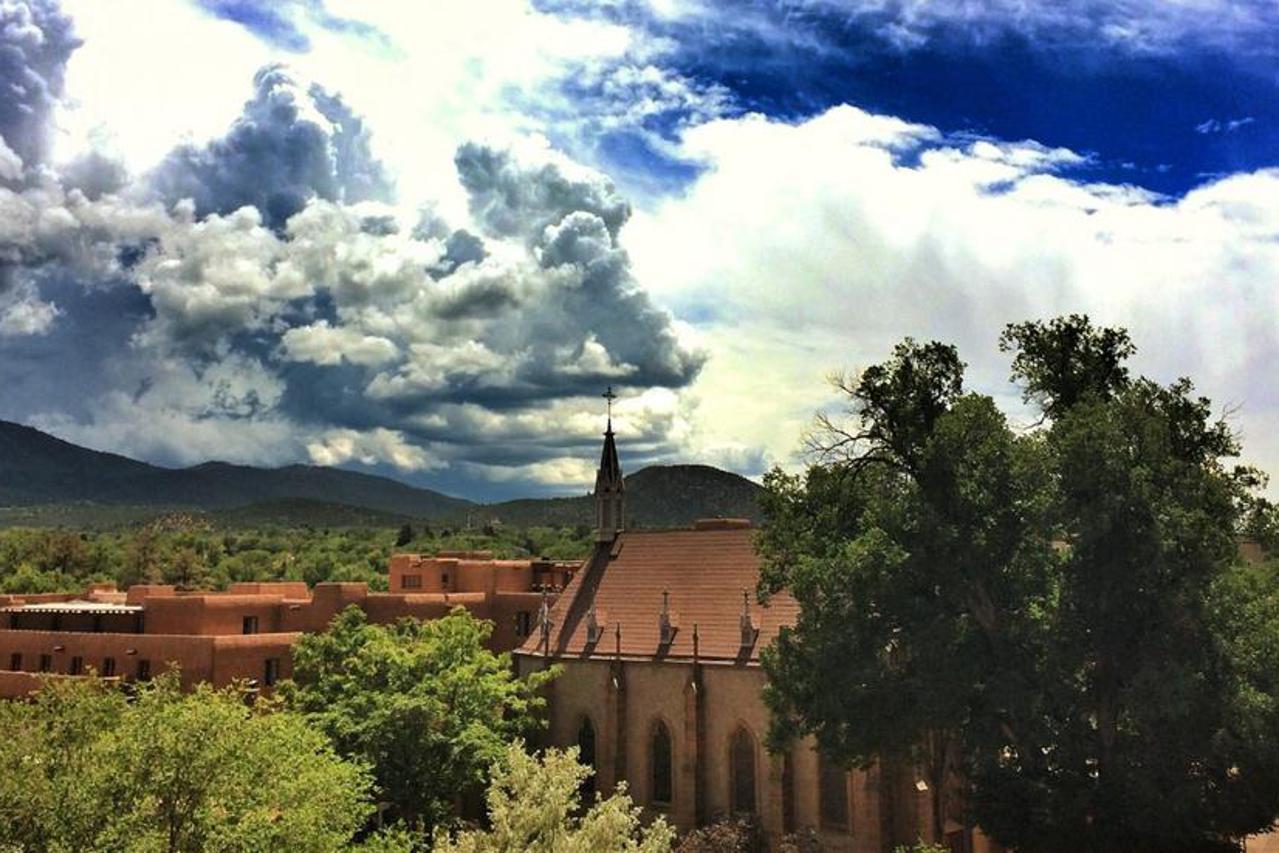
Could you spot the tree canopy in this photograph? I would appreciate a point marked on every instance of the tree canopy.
(1056, 616)
(424, 704)
(84, 768)
(534, 805)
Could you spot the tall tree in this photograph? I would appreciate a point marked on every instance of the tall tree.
(912, 548)
(1061, 613)
(425, 704)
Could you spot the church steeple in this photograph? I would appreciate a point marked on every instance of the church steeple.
(610, 488)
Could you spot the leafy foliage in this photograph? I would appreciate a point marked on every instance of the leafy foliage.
(187, 551)
(1059, 617)
(533, 805)
(84, 769)
(424, 704)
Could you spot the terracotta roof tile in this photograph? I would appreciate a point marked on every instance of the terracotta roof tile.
(705, 572)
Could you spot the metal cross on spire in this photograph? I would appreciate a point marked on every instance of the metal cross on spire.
(610, 397)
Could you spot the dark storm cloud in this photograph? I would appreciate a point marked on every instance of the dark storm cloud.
(512, 199)
(36, 39)
(292, 143)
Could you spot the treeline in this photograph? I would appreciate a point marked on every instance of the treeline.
(192, 554)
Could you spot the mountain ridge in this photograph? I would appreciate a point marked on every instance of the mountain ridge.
(42, 470)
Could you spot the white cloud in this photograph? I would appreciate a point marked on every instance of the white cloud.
(371, 447)
(810, 247)
(29, 315)
(320, 343)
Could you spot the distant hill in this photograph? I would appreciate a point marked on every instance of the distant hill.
(45, 480)
(657, 496)
(36, 468)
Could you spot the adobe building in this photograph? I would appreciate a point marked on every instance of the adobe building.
(248, 631)
(659, 637)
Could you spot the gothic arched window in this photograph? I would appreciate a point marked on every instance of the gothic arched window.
(659, 765)
(832, 782)
(741, 756)
(586, 756)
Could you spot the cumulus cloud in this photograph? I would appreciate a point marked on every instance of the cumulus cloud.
(322, 325)
(36, 39)
(26, 314)
(292, 143)
(823, 228)
(511, 196)
(338, 447)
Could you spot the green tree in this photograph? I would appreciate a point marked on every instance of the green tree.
(533, 805)
(425, 704)
(916, 551)
(82, 769)
(1060, 616)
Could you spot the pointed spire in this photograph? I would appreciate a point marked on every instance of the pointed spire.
(609, 484)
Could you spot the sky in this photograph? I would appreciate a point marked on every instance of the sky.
(421, 239)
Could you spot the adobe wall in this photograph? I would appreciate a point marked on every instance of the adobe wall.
(504, 610)
(219, 613)
(193, 654)
(327, 600)
(244, 657)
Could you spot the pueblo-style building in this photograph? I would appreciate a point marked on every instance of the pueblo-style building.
(248, 631)
(659, 637)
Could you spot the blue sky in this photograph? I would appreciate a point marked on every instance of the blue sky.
(419, 239)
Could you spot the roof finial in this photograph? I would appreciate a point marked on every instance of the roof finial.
(610, 397)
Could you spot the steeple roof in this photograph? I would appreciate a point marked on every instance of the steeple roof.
(609, 475)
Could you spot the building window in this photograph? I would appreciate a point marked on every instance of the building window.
(741, 752)
(271, 672)
(108, 667)
(411, 582)
(46, 663)
(15, 661)
(659, 764)
(444, 580)
(144, 670)
(250, 624)
(523, 623)
(586, 756)
(77, 665)
(832, 781)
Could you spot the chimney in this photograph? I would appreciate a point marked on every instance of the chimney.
(666, 630)
(749, 631)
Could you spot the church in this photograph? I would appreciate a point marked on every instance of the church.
(659, 637)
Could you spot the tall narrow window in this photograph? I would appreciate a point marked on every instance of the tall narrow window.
(271, 671)
(108, 667)
(15, 661)
(586, 755)
(833, 783)
(741, 752)
(77, 665)
(250, 624)
(144, 670)
(523, 623)
(46, 663)
(659, 763)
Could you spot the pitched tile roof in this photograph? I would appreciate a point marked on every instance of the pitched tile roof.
(705, 572)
